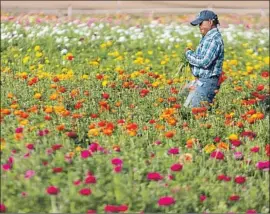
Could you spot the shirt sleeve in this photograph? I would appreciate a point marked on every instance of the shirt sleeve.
(208, 54)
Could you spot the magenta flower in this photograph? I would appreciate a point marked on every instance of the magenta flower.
(118, 168)
(173, 151)
(238, 156)
(85, 154)
(19, 130)
(166, 201)
(116, 161)
(6, 166)
(217, 155)
(176, 167)
(29, 174)
(155, 176)
(263, 165)
(202, 198)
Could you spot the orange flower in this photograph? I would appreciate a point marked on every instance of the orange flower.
(169, 134)
(53, 96)
(5, 111)
(118, 104)
(18, 136)
(60, 127)
(37, 96)
(222, 145)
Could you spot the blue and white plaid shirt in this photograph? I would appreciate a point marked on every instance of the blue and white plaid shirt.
(207, 60)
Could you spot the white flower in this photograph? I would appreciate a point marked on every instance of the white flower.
(64, 51)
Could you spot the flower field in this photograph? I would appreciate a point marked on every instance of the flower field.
(92, 120)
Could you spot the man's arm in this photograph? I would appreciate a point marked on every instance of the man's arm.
(209, 53)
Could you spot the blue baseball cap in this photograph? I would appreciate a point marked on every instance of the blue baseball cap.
(204, 16)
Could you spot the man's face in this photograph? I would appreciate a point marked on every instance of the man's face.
(205, 26)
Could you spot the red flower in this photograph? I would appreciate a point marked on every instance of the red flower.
(202, 198)
(234, 198)
(30, 146)
(173, 151)
(217, 155)
(90, 179)
(72, 134)
(85, 191)
(166, 201)
(3, 208)
(217, 139)
(176, 167)
(57, 169)
(265, 74)
(105, 96)
(240, 179)
(223, 177)
(57, 146)
(77, 182)
(155, 176)
(52, 190)
(260, 87)
(91, 211)
(236, 143)
(6, 166)
(255, 149)
(116, 161)
(115, 208)
(85, 154)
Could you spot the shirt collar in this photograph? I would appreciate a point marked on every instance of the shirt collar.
(211, 32)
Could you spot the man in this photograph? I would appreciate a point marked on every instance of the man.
(206, 62)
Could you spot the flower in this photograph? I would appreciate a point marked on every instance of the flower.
(72, 134)
(6, 166)
(118, 168)
(176, 167)
(234, 198)
(90, 179)
(238, 155)
(91, 211)
(29, 174)
(3, 208)
(202, 198)
(255, 149)
(154, 176)
(166, 201)
(263, 165)
(236, 143)
(52, 190)
(85, 154)
(251, 211)
(240, 179)
(116, 161)
(173, 151)
(115, 208)
(85, 191)
(233, 137)
(217, 155)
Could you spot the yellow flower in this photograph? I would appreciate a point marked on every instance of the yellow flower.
(78, 149)
(190, 45)
(266, 60)
(24, 122)
(104, 83)
(25, 59)
(37, 95)
(139, 53)
(233, 137)
(85, 76)
(93, 132)
(209, 148)
(150, 52)
(37, 48)
(39, 54)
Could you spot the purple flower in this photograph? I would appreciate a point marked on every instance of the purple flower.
(29, 174)
(173, 151)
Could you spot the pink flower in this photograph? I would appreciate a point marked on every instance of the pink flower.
(251, 211)
(158, 142)
(52, 190)
(85, 154)
(116, 161)
(238, 156)
(85, 191)
(115, 208)
(19, 130)
(240, 179)
(91, 211)
(77, 182)
(118, 169)
(6, 166)
(29, 174)
(155, 176)
(202, 198)
(176, 167)
(217, 155)
(166, 201)
(173, 151)
(263, 165)
(217, 139)
(3, 208)
(236, 143)
(24, 194)
(30, 146)
(94, 147)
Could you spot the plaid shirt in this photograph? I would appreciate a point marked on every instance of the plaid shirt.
(207, 60)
